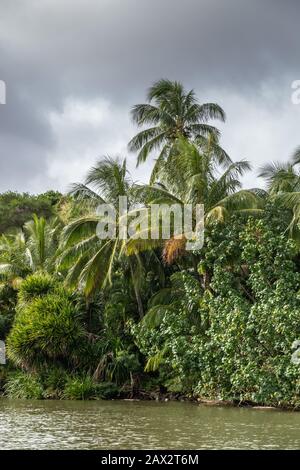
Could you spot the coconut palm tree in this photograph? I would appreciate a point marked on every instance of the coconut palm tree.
(171, 112)
(88, 260)
(283, 189)
(193, 175)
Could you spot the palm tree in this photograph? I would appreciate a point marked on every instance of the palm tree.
(42, 242)
(283, 189)
(171, 112)
(90, 261)
(192, 176)
(30, 250)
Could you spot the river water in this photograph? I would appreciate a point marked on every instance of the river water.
(143, 425)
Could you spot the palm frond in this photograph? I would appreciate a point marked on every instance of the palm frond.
(82, 192)
(295, 158)
(150, 146)
(97, 271)
(83, 227)
(243, 199)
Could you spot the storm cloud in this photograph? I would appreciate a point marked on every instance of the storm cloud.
(73, 69)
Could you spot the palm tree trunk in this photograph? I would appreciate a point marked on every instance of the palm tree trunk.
(137, 293)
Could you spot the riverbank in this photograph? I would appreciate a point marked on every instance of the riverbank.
(111, 392)
(171, 397)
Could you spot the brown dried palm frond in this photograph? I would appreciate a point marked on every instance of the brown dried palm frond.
(174, 248)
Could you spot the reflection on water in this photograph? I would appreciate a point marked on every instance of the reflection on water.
(143, 425)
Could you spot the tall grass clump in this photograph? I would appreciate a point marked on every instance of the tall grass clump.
(21, 385)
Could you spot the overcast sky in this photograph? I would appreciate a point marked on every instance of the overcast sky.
(74, 68)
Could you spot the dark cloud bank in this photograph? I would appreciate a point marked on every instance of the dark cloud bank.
(74, 68)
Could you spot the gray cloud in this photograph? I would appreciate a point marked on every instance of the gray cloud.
(62, 59)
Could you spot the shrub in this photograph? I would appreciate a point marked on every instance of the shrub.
(46, 330)
(117, 366)
(7, 308)
(53, 380)
(83, 387)
(79, 388)
(35, 285)
(3, 378)
(107, 390)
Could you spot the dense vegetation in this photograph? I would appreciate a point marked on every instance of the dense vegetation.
(16, 209)
(89, 318)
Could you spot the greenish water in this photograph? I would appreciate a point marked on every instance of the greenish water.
(143, 425)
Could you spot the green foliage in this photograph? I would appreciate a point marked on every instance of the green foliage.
(117, 366)
(84, 387)
(88, 260)
(55, 383)
(16, 208)
(28, 251)
(171, 112)
(107, 390)
(3, 378)
(79, 388)
(41, 242)
(23, 385)
(216, 323)
(254, 319)
(36, 285)
(14, 258)
(47, 329)
(240, 345)
(165, 333)
(53, 380)
(8, 300)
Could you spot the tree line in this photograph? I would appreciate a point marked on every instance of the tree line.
(90, 318)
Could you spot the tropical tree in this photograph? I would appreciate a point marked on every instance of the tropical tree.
(14, 257)
(194, 174)
(171, 112)
(89, 261)
(29, 250)
(283, 189)
(18, 208)
(42, 242)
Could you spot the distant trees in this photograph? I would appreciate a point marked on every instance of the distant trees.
(18, 208)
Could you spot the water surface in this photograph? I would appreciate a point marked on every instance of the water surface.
(143, 425)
